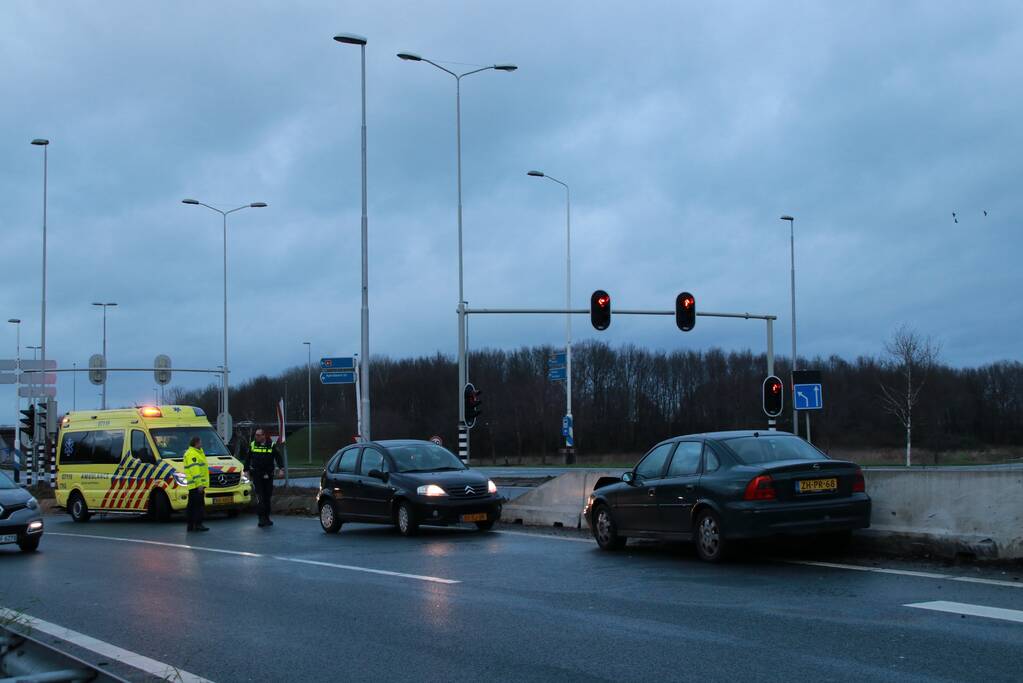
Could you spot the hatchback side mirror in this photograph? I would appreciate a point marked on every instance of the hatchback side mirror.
(377, 474)
(629, 477)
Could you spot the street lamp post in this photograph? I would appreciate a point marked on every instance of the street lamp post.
(225, 424)
(352, 39)
(309, 400)
(570, 435)
(17, 395)
(463, 430)
(792, 252)
(45, 144)
(105, 363)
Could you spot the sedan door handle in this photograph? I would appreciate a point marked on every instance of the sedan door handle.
(690, 487)
(651, 492)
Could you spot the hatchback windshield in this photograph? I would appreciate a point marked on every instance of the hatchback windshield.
(753, 450)
(424, 457)
(172, 442)
(6, 483)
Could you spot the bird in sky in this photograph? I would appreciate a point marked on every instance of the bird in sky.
(954, 219)
(985, 212)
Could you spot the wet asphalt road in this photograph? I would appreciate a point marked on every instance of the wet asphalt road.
(291, 603)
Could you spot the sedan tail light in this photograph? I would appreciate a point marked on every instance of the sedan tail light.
(859, 486)
(760, 488)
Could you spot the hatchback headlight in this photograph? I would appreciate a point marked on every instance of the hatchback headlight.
(491, 486)
(431, 490)
(181, 479)
(32, 504)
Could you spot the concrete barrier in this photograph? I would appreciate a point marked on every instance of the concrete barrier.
(937, 510)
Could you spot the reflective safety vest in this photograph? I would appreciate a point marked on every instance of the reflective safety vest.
(196, 471)
(261, 457)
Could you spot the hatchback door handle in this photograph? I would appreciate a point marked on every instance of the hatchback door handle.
(651, 492)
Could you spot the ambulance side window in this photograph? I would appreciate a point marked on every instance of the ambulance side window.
(107, 446)
(140, 447)
(76, 448)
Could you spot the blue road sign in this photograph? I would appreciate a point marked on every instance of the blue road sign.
(347, 363)
(566, 425)
(557, 374)
(345, 377)
(808, 396)
(556, 360)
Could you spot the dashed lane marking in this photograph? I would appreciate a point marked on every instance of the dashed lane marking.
(908, 572)
(102, 648)
(969, 610)
(242, 553)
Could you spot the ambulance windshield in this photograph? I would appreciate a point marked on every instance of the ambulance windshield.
(172, 442)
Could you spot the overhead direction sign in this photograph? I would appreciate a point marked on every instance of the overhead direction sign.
(8, 363)
(38, 365)
(557, 374)
(344, 377)
(808, 396)
(556, 359)
(36, 391)
(345, 363)
(7, 378)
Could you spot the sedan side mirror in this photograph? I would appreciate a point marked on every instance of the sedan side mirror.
(377, 474)
(629, 477)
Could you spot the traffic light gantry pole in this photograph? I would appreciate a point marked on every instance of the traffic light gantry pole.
(769, 319)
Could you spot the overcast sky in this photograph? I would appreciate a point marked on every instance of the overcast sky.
(684, 130)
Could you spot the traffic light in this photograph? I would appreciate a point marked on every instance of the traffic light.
(685, 311)
(41, 417)
(774, 396)
(600, 309)
(28, 421)
(472, 399)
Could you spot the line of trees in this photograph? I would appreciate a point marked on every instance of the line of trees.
(627, 398)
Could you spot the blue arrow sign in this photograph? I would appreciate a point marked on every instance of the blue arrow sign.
(347, 363)
(556, 360)
(557, 374)
(808, 396)
(346, 377)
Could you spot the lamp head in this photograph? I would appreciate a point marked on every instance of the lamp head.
(505, 67)
(787, 218)
(189, 201)
(535, 174)
(14, 320)
(350, 39)
(409, 57)
(41, 141)
(258, 205)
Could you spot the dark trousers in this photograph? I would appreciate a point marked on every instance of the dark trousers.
(196, 508)
(263, 483)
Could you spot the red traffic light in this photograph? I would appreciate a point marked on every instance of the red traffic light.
(685, 311)
(600, 309)
(773, 396)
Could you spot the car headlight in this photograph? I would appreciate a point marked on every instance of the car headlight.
(245, 479)
(491, 486)
(32, 504)
(431, 490)
(181, 478)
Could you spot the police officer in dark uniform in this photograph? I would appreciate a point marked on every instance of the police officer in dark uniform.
(262, 462)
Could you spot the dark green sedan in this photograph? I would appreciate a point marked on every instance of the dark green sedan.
(721, 487)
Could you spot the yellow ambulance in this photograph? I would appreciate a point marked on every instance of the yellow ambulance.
(130, 460)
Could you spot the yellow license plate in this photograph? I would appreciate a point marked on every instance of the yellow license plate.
(475, 517)
(816, 485)
(223, 500)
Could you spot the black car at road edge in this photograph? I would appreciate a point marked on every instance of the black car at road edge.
(21, 520)
(405, 483)
(721, 487)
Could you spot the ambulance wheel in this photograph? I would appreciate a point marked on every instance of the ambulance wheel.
(77, 508)
(159, 506)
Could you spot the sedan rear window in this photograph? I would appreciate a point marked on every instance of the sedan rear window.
(753, 450)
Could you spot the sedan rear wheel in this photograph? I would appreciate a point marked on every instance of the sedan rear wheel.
(328, 518)
(710, 539)
(605, 532)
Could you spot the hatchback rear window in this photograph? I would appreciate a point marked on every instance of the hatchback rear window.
(753, 450)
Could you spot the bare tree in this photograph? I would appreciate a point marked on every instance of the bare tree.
(910, 358)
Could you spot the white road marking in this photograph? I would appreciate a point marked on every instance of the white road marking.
(551, 537)
(107, 650)
(241, 553)
(909, 572)
(419, 577)
(971, 610)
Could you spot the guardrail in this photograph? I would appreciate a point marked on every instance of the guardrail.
(27, 658)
